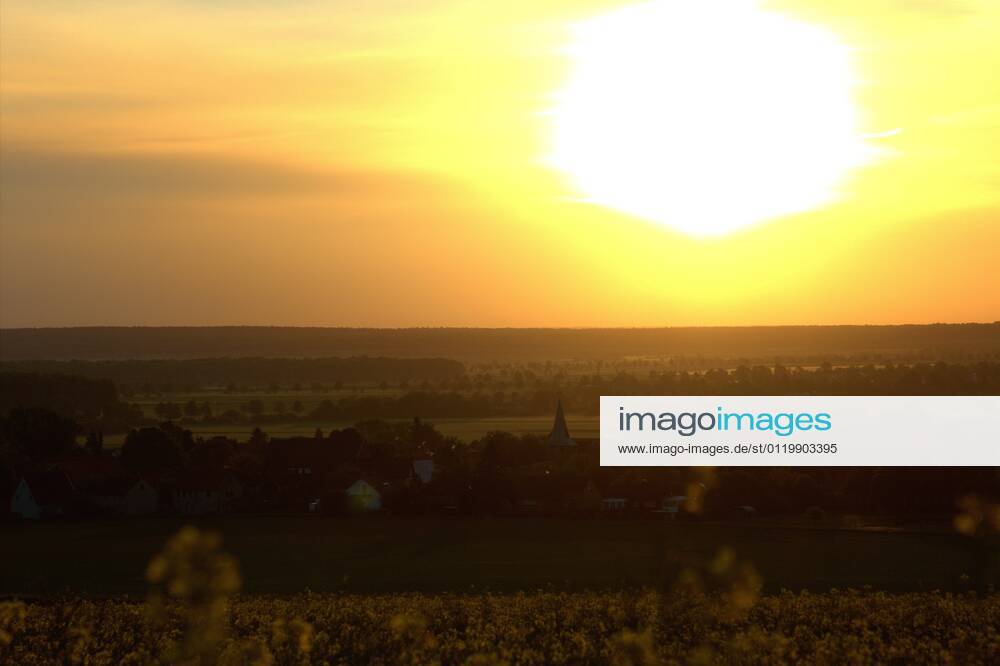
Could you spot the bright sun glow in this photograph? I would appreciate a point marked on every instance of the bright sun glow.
(706, 115)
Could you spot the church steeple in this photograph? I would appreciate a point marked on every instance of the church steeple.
(560, 432)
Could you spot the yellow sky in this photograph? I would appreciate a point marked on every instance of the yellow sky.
(381, 163)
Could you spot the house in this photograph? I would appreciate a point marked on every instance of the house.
(85, 471)
(297, 458)
(613, 504)
(671, 506)
(529, 505)
(363, 496)
(46, 495)
(584, 499)
(423, 470)
(206, 493)
(102, 483)
(126, 497)
(560, 432)
(532, 489)
(346, 497)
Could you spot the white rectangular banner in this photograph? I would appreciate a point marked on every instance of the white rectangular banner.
(789, 431)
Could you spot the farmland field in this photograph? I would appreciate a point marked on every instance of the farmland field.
(464, 429)
(288, 554)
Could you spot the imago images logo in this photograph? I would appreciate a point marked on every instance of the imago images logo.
(687, 424)
(882, 431)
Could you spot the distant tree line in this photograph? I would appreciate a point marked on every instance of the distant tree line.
(580, 394)
(914, 342)
(96, 404)
(181, 374)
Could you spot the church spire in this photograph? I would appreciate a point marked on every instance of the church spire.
(560, 432)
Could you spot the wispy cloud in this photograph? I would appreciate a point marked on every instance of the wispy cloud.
(29, 173)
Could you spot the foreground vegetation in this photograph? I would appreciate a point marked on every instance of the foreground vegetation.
(533, 628)
(709, 609)
(711, 613)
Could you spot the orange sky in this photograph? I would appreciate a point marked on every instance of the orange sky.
(383, 163)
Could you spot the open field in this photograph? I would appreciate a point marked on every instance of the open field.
(464, 429)
(287, 554)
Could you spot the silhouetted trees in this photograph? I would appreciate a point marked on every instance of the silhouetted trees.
(796, 344)
(498, 473)
(93, 403)
(36, 434)
(156, 450)
(166, 375)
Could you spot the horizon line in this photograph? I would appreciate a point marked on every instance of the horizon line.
(487, 328)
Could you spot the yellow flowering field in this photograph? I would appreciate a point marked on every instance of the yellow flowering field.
(529, 628)
(712, 614)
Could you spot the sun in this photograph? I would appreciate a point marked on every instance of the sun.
(706, 115)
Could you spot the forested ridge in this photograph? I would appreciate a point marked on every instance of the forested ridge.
(791, 343)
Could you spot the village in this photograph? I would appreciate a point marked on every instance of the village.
(381, 467)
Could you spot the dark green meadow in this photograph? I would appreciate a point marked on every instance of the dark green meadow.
(289, 554)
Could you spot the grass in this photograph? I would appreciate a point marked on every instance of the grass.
(287, 554)
(464, 429)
